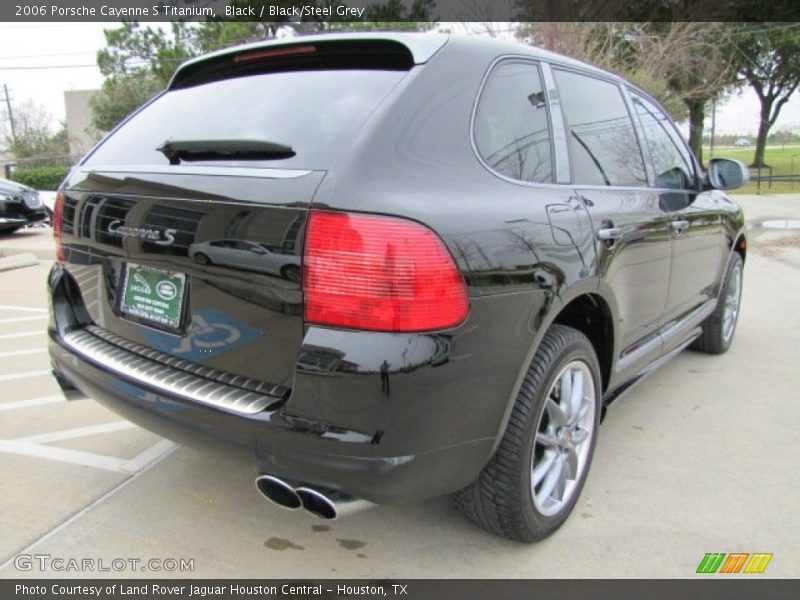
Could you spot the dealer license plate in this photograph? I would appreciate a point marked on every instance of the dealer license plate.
(153, 295)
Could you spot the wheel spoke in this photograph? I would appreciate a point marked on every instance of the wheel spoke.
(585, 408)
(557, 417)
(544, 465)
(551, 480)
(547, 439)
(561, 482)
(566, 393)
(577, 396)
(571, 464)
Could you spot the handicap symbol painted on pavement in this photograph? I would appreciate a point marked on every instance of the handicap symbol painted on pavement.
(211, 332)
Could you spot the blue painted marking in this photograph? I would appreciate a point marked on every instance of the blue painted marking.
(212, 332)
(148, 396)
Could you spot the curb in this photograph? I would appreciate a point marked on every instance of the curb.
(40, 253)
(18, 261)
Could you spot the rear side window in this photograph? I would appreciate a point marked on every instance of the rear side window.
(512, 131)
(603, 145)
(673, 167)
(314, 112)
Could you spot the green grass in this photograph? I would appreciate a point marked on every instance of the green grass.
(779, 158)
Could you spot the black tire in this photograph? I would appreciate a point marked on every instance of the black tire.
(202, 259)
(501, 499)
(717, 337)
(9, 230)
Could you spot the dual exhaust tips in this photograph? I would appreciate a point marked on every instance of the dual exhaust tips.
(325, 504)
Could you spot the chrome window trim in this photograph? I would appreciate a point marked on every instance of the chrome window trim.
(194, 170)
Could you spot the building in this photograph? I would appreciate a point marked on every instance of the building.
(81, 134)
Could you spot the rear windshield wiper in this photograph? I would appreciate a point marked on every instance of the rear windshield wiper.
(194, 150)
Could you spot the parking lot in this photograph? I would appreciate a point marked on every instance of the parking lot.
(700, 457)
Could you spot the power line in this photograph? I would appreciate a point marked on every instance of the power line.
(47, 55)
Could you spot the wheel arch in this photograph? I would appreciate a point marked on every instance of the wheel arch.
(740, 246)
(590, 314)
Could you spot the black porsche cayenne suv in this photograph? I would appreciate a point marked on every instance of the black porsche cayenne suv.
(475, 247)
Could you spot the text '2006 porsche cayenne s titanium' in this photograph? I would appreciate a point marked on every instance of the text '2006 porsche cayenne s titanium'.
(469, 248)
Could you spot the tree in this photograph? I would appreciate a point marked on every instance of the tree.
(137, 61)
(682, 65)
(770, 59)
(34, 137)
(694, 61)
(617, 47)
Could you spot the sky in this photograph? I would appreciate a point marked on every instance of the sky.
(39, 61)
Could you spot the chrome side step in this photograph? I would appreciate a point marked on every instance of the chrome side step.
(171, 375)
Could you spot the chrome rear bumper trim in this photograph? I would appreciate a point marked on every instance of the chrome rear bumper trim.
(171, 375)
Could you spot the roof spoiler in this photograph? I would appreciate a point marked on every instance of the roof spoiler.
(337, 51)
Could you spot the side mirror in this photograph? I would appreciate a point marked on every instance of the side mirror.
(726, 174)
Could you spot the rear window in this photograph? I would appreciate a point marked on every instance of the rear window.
(512, 130)
(314, 112)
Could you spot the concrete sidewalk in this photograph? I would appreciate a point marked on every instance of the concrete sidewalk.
(35, 240)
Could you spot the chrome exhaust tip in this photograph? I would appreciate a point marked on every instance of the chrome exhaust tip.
(278, 492)
(330, 505)
(316, 503)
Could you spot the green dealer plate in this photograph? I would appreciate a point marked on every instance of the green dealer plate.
(153, 295)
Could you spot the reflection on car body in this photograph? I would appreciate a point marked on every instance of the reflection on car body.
(242, 254)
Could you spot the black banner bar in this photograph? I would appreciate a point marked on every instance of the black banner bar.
(321, 11)
(713, 588)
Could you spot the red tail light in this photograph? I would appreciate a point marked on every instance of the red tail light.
(379, 273)
(58, 211)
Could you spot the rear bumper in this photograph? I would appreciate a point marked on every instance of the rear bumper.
(277, 444)
(21, 217)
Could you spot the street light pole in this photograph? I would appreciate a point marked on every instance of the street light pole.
(10, 115)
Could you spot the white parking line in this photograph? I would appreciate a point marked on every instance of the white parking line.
(19, 319)
(23, 308)
(148, 457)
(67, 455)
(32, 402)
(23, 352)
(91, 506)
(8, 336)
(25, 375)
(89, 459)
(68, 434)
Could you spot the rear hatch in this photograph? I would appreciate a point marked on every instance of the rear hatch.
(183, 231)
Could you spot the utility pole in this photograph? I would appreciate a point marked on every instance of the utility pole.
(713, 126)
(10, 115)
(549, 26)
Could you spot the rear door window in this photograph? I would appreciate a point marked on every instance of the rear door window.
(672, 166)
(314, 112)
(602, 141)
(512, 129)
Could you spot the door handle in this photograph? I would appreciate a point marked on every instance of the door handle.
(609, 233)
(680, 225)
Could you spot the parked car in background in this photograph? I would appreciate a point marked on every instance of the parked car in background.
(49, 200)
(19, 206)
(742, 143)
(496, 242)
(253, 256)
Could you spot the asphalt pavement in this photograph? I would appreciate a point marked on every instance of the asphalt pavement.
(700, 457)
